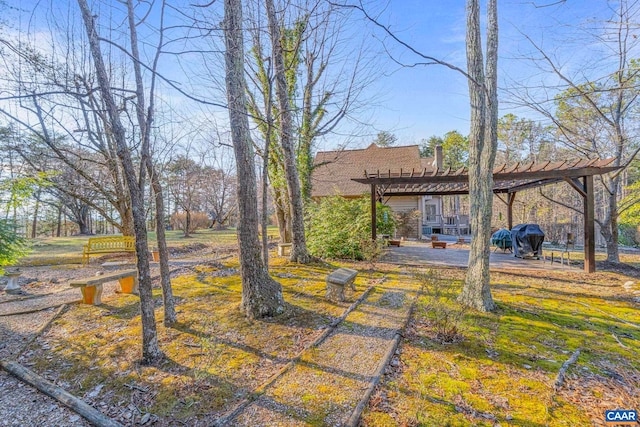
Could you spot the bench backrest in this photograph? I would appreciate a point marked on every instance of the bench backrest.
(125, 243)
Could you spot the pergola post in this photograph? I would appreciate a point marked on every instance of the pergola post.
(589, 226)
(511, 197)
(373, 213)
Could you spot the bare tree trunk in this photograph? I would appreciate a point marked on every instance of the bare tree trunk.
(187, 220)
(126, 228)
(150, 349)
(34, 223)
(261, 295)
(170, 317)
(145, 120)
(476, 292)
(609, 230)
(59, 226)
(299, 251)
(284, 226)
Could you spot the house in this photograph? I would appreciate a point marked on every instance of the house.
(334, 170)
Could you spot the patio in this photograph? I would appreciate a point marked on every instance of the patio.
(421, 254)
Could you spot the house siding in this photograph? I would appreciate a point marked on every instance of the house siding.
(408, 204)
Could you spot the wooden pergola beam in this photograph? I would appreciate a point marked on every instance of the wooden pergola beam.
(589, 225)
(374, 221)
(511, 197)
(578, 174)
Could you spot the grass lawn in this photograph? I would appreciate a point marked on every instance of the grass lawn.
(68, 250)
(215, 356)
(501, 367)
(455, 367)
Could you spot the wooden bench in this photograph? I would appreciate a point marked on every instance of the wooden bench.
(338, 280)
(438, 244)
(91, 287)
(284, 249)
(107, 245)
(394, 242)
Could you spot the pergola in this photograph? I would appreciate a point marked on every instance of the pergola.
(507, 180)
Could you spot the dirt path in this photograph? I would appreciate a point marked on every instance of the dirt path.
(327, 384)
(20, 404)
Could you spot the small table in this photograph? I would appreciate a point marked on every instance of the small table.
(12, 283)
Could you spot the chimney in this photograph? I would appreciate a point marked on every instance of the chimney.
(438, 157)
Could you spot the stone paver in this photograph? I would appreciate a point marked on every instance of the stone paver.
(422, 254)
(325, 386)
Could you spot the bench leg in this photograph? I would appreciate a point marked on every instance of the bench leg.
(335, 292)
(128, 285)
(92, 294)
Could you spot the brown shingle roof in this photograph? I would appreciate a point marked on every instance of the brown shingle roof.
(334, 170)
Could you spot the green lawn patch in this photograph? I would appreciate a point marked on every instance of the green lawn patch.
(502, 367)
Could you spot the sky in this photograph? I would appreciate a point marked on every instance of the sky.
(416, 102)
(432, 100)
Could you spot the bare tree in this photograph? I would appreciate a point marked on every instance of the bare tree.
(145, 119)
(595, 109)
(187, 187)
(326, 72)
(299, 252)
(64, 117)
(482, 80)
(151, 352)
(261, 295)
(483, 143)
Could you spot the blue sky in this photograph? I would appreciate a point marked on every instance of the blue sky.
(424, 101)
(418, 102)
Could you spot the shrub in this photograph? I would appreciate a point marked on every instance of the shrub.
(12, 246)
(198, 220)
(445, 315)
(340, 228)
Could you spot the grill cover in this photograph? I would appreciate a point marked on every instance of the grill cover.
(527, 240)
(502, 239)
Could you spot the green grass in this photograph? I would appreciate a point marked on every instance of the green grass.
(503, 367)
(215, 356)
(68, 250)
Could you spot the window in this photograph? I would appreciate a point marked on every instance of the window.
(430, 211)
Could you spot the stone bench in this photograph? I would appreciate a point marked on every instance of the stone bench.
(12, 281)
(438, 244)
(284, 249)
(338, 280)
(91, 287)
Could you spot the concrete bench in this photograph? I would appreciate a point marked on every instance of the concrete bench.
(284, 249)
(438, 244)
(107, 245)
(91, 287)
(338, 280)
(12, 281)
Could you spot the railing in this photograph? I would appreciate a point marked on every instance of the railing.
(455, 224)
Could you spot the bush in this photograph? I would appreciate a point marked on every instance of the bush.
(445, 316)
(12, 246)
(629, 234)
(340, 228)
(198, 220)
